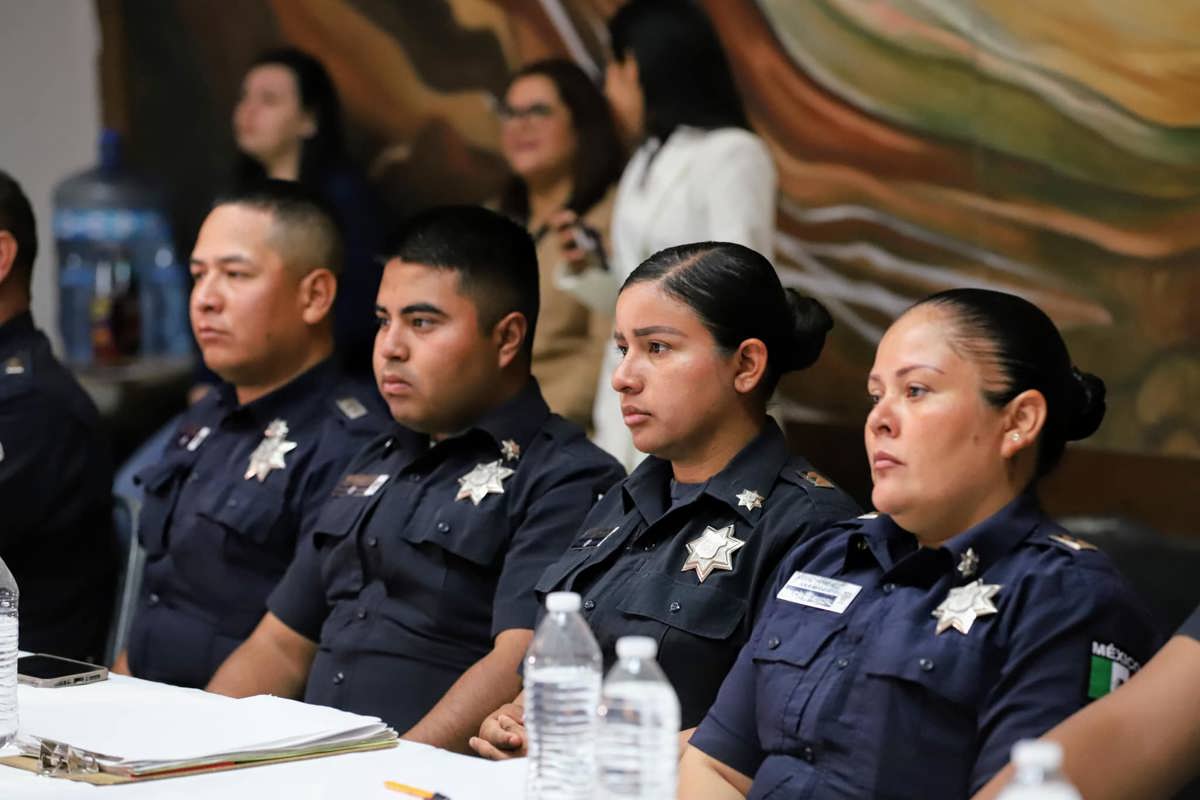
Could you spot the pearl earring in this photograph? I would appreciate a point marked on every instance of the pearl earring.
(1016, 437)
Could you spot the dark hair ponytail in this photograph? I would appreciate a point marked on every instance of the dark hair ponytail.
(737, 295)
(1022, 342)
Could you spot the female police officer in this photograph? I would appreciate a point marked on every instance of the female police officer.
(902, 654)
(684, 547)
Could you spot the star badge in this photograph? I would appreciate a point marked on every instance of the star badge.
(485, 479)
(510, 450)
(964, 604)
(270, 451)
(968, 564)
(750, 499)
(713, 550)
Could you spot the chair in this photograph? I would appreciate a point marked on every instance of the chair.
(129, 577)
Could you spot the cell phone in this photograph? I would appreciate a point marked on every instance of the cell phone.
(588, 240)
(48, 671)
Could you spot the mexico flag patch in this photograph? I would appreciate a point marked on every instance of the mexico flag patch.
(1111, 667)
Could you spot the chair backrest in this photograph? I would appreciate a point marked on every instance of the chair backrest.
(129, 578)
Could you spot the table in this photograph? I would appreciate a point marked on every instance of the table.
(352, 775)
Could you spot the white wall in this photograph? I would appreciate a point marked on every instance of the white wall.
(49, 113)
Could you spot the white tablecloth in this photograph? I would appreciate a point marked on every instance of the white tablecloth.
(340, 777)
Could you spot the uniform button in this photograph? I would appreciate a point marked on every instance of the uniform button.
(842, 663)
(414, 477)
(361, 614)
(649, 546)
(628, 548)
(861, 544)
(588, 605)
(372, 542)
(926, 664)
(443, 527)
(153, 599)
(674, 607)
(232, 502)
(338, 678)
(191, 477)
(773, 642)
(808, 755)
(888, 588)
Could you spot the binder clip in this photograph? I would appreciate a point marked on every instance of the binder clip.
(56, 759)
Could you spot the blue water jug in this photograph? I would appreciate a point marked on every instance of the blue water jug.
(122, 292)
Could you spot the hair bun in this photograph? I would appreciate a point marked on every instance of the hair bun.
(810, 322)
(1089, 406)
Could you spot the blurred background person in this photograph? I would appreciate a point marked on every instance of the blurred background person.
(288, 126)
(698, 172)
(559, 140)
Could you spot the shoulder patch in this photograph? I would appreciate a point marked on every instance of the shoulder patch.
(1070, 542)
(816, 479)
(351, 407)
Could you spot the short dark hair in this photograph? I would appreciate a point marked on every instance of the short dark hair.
(16, 217)
(306, 234)
(683, 71)
(325, 149)
(494, 257)
(599, 156)
(737, 295)
(1022, 343)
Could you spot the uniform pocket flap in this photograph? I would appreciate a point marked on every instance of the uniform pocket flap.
(795, 636)
(698, 609)
(247, 509)
(949, 665)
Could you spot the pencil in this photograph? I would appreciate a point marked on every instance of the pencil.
(414, 791)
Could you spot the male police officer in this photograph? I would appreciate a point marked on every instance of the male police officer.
(415, 600)
(251, 462)
(55, 474)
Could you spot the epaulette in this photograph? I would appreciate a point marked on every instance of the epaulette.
(1068, 542)
(351, 407)
(807, 477)
(16, 375)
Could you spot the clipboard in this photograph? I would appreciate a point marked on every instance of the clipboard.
(59, 760)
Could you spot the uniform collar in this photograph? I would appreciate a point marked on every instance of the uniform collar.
(17, 330)
(289, 402)
(896, 551)
(517, 419)
(754, 469)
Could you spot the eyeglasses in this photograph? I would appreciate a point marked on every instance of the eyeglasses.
(534, 111)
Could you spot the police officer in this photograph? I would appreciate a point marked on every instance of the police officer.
(55, 473)
(902, 654)
(684, 550)
(415, 600)
(253, 461)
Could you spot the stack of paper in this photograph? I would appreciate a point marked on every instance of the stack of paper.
(138, 729)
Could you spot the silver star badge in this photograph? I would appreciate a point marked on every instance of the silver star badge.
(750, 499)
(485, 479)
(270, 451)
(964, 604)
(510, 450)
(713, 550)
(968, 564)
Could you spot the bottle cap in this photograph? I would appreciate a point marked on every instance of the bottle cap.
(637, 647)
(1037, 754)
(562, 601)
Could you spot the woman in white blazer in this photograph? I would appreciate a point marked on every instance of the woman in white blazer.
(698, 172)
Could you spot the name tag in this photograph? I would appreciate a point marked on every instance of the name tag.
(818, 591)
(359, 485)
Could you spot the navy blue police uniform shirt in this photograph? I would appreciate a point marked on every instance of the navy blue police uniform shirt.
(846, 688)
(691, 570)
(237, 489)
(428, 550)
(56, 476)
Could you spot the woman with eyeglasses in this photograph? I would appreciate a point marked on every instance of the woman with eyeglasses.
(561, 145)
(698, 172)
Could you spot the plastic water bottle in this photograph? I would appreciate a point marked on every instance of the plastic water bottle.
(562, 692)
(638, 744)
(8, 655)
(1038, 773)
(122, 294)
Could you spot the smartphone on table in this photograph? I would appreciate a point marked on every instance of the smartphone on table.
(48, 671)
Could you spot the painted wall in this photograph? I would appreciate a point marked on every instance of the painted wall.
(1051, 149)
